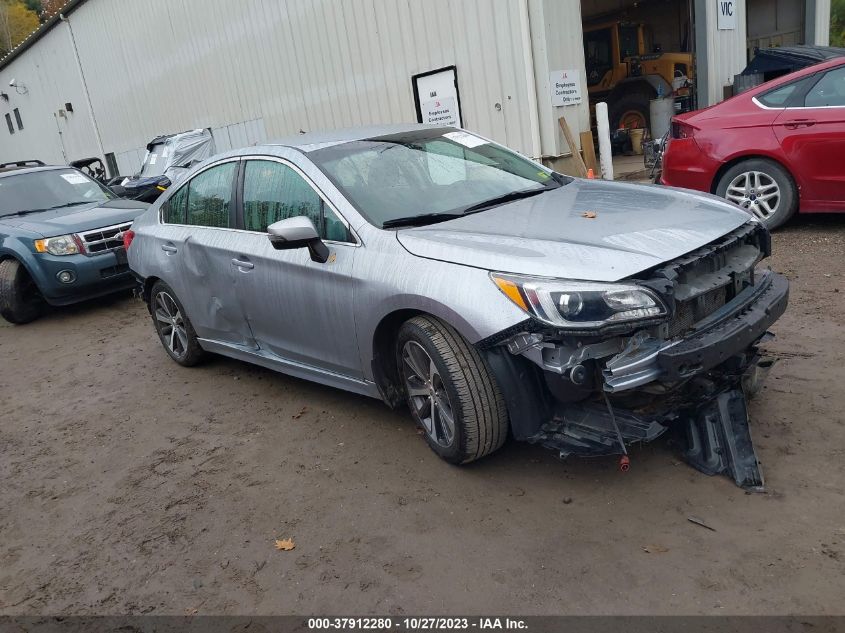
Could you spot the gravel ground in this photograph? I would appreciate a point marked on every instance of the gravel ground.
(133, 485)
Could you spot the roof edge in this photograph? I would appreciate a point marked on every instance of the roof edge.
(40, 32)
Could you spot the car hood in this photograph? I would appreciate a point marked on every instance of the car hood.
(588, 229)
(76, 219)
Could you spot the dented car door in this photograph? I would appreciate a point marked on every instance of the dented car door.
(297, 309)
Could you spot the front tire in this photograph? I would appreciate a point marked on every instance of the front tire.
(761, 187)
(451, 392)
(173, 327)
(20, 301)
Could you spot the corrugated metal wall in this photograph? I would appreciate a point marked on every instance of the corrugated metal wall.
(722, 52)
(163, 66)
(51, 77)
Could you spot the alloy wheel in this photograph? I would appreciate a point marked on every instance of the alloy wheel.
(755, 191)
(171, 325)
(428, 394)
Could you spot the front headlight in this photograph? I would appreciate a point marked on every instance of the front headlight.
(580, 304)
(60, 245)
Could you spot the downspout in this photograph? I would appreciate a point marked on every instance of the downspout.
(66, 20)
(528, 60)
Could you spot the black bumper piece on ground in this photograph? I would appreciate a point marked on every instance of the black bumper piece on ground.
(718, 441)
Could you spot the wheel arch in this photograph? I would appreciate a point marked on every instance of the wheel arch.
(384, 367)
(736, 160)
(382, 353)
(23, 260)
(147, 287)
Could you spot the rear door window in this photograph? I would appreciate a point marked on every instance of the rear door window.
(210, 196)
(175, 210)
(779, 97)
(829, 91)
(790, 95)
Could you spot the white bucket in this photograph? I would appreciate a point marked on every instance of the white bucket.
(662, 111)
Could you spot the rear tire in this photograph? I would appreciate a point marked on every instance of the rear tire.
(173, 327)
(20, 301)
(748, 183)
(455, 390)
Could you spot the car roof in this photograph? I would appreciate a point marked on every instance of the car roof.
(15, 169)
(803, 52)
(310, 141)
(798, 74)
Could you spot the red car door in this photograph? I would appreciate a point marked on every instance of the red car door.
(812, 138)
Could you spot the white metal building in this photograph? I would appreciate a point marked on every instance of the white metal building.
(106, 76)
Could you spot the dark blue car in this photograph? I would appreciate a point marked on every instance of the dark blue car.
(61, 239)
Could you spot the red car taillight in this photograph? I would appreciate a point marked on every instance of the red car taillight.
(128, 236)
(682, 130)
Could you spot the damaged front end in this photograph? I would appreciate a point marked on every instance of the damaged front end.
(677, 348)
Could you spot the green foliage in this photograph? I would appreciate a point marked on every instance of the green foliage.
(34, 5)
(837, 23)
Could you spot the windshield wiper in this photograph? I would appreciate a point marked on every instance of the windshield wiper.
(67, 204)
(420, 220)
(508, 197)
(58, 206)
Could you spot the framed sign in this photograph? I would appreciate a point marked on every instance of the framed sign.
(436, 97)
(565, 87)
(726, 15)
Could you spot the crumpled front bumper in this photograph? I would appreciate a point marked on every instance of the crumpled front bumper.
(722, 335)
(696, 384)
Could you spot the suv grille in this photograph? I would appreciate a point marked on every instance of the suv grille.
(108, 238)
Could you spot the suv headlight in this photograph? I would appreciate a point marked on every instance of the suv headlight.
(59, 245)
(580, 304)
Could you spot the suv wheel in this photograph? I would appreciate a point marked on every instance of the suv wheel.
(173, 326)
(451, 393)
(20, 301)
(761, 187)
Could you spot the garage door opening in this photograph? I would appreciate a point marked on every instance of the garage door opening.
(638, 52)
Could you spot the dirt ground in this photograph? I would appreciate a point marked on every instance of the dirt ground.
(133, 485)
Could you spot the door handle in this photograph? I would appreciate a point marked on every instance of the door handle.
(796, 123)
(168, 249)
(243, 264)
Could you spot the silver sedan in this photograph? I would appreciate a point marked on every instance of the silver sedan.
(433, 268)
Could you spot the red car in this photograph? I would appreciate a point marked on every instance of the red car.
(774, 150)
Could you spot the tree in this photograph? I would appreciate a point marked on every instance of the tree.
(33, 5)
(16, 22)
(837, 23)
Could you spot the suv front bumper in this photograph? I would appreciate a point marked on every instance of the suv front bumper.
(93, 276)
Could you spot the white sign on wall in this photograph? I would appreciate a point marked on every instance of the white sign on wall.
(440, 112)
(436, 97)
(565, 87)
(726, 15)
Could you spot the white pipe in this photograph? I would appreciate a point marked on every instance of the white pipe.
(528, 59)
(605, 155)
(92, 116)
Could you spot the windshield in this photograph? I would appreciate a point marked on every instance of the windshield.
(47, 189)
(155, 161)
(426, 173)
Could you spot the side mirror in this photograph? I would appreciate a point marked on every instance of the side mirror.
(298, 232)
